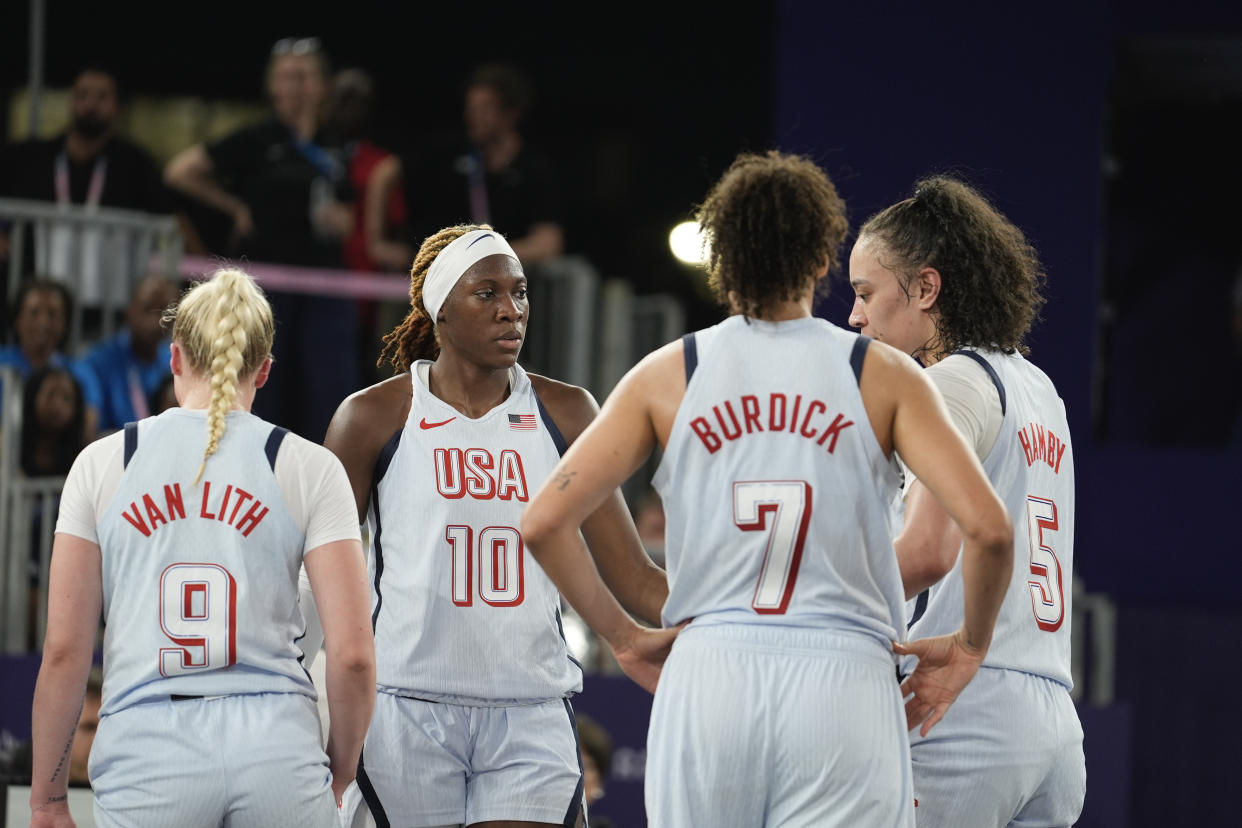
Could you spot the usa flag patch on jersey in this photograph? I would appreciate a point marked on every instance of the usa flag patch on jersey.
(521, 422)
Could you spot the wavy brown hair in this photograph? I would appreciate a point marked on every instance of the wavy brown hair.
(771, 222)
(991, 279)
(415, 338)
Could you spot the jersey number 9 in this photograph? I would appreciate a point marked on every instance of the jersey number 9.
(198, 613)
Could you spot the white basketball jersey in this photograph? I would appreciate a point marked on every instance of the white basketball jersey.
(1031, 466)
(461, 612)
(205, 578)
(778, 498)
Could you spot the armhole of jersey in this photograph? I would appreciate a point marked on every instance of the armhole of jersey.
(273, 444)
(857, 354)
(558, 439)
(920, 607)
(987, 366)
(690, 350)
(385, 458)
(131, 443)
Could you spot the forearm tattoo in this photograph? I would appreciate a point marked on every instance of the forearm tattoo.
(68, 745)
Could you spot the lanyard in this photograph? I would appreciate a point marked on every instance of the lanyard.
(98, 175)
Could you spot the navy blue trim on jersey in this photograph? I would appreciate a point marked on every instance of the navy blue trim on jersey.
(272, 448)
(575, 804)
(987, 366)
(381, 468)
(385, 457)
(131, 442)
(690, 350)
(857, 354)
(561, 629)
(558, 439)
(369, 796)
(920, 607)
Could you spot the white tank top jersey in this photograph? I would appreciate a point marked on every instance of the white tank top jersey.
(1031, 466)
(461, 613)
(778, 498)
(200, 583)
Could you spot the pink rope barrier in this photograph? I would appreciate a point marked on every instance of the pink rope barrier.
(312, 280)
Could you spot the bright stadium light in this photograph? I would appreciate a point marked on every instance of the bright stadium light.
(686, 242)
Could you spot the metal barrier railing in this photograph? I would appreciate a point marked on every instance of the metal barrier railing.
(99, 253)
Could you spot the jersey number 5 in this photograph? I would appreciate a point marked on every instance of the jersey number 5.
(1047, 598)
(782, 508)
(198, 613)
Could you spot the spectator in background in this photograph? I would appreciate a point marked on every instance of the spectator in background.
(596, 745)
(284, 185)
(40, 321)
(52, 422)
(350, 123)
(132, 363)
(163, 397)
(498, 179)
(88, 164)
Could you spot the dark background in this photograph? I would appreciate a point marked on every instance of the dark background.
(1108, 131)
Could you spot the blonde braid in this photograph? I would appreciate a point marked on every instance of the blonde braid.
(231, 317)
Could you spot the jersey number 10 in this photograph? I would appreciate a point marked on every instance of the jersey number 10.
(499, 556)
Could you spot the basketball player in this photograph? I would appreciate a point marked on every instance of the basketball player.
(778, 704)
(473, 724)
(192, 555)
(945, 277)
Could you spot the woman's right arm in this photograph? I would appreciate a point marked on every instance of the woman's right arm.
(75, 598)
(388, 254)
(192, 173)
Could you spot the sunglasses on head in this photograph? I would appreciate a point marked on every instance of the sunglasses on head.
(296, 46)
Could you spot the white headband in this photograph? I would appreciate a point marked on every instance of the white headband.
(453, 261)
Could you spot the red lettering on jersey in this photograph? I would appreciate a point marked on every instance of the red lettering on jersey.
(449, 473)
(724, 429)
(793, 419)
(701, 427)
(512, 477)
(478, 474)
(251, 518)
(750, 413)
(810, 410)
(172, 501)
(834, 430)
(154, 515)
(202, 512)
(136, 520)
(1041, 443)
(224, 502)
(242, 497)
(773, 423)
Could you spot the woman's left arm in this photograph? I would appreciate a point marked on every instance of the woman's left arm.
(75, 598)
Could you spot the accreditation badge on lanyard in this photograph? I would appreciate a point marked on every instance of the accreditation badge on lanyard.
(74, 251)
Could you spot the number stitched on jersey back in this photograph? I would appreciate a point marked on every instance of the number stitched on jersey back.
(788, 504)
(198, 613)
(1047, 597)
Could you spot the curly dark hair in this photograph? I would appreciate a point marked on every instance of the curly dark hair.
(990, 275)
(771, 223)
(415, 338)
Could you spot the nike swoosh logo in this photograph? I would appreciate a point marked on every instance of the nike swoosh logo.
(424, 424)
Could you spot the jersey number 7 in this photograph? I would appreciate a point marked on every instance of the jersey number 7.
(782, 508)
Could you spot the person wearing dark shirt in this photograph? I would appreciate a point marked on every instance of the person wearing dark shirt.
(498, 178)
(283, 184)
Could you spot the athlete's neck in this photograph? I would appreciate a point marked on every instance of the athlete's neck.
(470, 388)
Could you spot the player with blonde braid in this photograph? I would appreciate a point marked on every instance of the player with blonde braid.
(197, 578)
